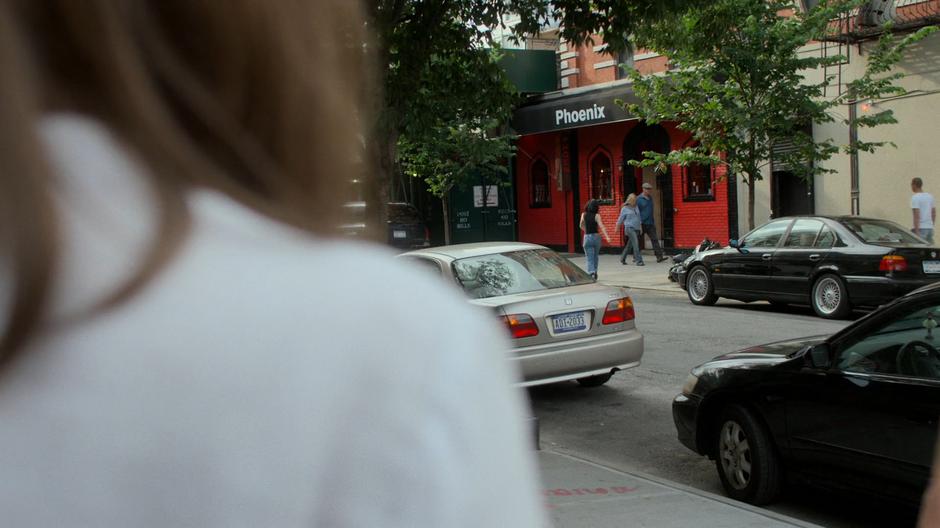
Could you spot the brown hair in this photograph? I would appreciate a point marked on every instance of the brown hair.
(259, 100)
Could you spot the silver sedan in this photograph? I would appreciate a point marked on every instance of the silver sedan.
(564, 325)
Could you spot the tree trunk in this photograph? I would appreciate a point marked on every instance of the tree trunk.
(445, 210)
(378, 192)
(750, 202)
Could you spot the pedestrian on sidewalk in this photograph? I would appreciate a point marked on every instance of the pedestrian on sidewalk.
(630, 219)
(648, 221)
(180, 338)
(591, 223)
(924, 210)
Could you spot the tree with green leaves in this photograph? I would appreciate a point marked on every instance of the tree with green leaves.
(442, 86)
(739, 84)
(453, 156)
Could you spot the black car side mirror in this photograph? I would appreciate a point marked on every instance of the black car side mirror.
(739, 246)
(818, 356)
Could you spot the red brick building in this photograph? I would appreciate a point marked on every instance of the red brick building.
(575, 144)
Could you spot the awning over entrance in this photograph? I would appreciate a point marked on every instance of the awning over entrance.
(573, 109)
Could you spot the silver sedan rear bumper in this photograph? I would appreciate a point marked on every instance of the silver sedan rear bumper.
(578, 358)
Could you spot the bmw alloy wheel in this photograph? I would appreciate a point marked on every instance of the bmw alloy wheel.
(698, 284)
(829, 297)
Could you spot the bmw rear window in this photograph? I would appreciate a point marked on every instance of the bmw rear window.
(881, 231)
(517, 272)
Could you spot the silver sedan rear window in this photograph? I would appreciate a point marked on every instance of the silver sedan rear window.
(517, 272)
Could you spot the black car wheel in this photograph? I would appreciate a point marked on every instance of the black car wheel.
(830, 298)
(699, 286)
(746, 459)
(595, 381)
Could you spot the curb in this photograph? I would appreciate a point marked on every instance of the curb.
(687, 489)
(665, 289)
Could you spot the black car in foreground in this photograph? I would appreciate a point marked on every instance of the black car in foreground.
(856, 411)
(831, 263)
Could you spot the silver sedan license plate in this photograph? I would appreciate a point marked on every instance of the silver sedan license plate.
(932, 266)
(569, 322)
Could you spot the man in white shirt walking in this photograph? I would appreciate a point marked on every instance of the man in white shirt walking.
(925, 213)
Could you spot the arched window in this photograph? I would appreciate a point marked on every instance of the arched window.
(602, 185)
(697, 181)
(539, 184)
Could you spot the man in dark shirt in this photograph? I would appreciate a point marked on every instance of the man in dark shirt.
(645, 203)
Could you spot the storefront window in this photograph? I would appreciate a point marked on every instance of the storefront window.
(539, 184)
(602, 187)
(698, 183)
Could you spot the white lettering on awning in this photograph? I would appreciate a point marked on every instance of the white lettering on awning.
(566, 117)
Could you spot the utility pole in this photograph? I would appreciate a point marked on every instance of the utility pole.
(853, 154)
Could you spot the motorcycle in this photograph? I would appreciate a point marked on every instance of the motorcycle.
(681, 259)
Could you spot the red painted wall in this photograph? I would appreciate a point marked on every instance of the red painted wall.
(547, 226)
(696, 220)
(609, 140)
(693, 220)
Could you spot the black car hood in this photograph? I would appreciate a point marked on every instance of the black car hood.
(697, 257)
(774, 350)
(762, 355)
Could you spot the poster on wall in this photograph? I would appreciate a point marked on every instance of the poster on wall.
(492, 196)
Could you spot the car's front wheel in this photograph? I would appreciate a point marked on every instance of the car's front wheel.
(830, 298)
(745, 457)
(699, 287)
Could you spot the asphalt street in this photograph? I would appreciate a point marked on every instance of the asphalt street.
(627, 423)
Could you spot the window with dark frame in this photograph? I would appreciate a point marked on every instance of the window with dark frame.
(698, 183)
(602, 185)
(540, 184)
(624, 64)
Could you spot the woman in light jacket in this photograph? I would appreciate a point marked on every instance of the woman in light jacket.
(176, 337)
(630, 218)
(591, 223)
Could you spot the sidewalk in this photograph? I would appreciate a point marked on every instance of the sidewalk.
(652, 276)
(582, 494)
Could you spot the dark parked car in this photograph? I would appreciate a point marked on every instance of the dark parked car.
(406, 228)
(856, 411)
(831, 263)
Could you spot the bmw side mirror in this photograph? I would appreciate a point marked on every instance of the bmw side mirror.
(818, 356)
(739, 246)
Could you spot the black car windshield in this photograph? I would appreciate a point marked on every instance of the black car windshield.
(880, 231)
(517, 272)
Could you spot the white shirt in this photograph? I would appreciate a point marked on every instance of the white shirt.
(264, 378)
(924, 204)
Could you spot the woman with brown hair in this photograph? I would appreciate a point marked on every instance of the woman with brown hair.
(183, 344)
(592, 226)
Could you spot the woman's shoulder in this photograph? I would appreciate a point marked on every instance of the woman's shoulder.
(317, 262)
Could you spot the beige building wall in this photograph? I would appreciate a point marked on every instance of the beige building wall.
(884, 176)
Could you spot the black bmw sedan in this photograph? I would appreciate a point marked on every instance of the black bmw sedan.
(831, 263)
(856, 411)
